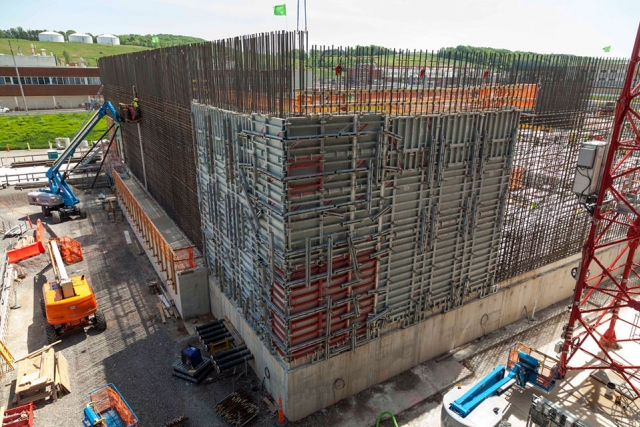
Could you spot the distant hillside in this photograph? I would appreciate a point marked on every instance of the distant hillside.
(68, 52)
(161, 40)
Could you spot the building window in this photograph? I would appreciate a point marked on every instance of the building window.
(15, 80)
(66, 80)
(40, 80)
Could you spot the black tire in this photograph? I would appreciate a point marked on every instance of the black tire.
(43, 308)
(57, 218)
(82, 212)
(52, 334)
(101, 321)
(46, 211)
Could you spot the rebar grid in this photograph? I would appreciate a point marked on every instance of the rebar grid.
(276, 196)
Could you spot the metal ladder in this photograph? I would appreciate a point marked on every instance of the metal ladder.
(635, 332)
(6, 355)
(97, 150)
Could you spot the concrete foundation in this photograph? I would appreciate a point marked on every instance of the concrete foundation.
(310, 387)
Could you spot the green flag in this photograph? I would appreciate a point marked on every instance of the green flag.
(280, 10)
(155, 39)
(607, 49)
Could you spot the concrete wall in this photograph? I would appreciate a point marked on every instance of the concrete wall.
(310, 387)
(193, 292)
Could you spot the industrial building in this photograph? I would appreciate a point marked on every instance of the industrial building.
(48, 87)
(361, 213)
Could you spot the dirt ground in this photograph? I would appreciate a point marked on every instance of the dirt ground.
(135, 352)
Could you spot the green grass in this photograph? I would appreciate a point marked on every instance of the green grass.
(39, 129)
(76, 50)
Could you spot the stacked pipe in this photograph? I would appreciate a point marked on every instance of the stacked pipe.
(236, 409)
(212, 332)
(230, 358)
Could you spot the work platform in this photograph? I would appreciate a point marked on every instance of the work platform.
(176, 261)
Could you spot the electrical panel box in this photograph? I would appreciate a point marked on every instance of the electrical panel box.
(589, 169)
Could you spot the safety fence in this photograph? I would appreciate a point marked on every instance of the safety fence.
(171, 260)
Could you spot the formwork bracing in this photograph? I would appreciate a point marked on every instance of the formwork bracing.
(325, 228)
(564, 100)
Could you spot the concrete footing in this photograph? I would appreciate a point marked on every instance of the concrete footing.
(309, 387)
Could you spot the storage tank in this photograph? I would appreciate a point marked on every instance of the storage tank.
(51, 36)
(80, 38)
(108, 39)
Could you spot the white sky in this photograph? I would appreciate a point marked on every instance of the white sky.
(581, 27)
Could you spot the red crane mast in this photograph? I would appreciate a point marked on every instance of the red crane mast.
(617, 207)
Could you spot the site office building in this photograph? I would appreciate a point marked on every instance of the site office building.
(47, 87)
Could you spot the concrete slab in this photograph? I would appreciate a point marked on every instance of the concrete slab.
(395, 395)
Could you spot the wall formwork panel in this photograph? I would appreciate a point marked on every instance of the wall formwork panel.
(325, 229)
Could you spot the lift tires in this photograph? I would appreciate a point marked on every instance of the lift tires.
(82, 212)
(43, 308)
(46, 211)
(52, 334)
(57, 218)
(101, 321)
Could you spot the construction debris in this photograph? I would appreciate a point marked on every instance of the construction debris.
(20, 416)
(236, 409)
(177, 422)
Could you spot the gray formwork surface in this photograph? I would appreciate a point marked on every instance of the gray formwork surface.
(325, 229)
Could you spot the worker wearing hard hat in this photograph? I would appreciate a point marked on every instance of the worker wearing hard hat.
(135, 103)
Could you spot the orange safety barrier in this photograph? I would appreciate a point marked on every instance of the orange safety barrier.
(426, 100)
(70, 250)
(171, 260)
(28, 251)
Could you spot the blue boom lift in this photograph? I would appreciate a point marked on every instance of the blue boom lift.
(58, 200)
(525, 366)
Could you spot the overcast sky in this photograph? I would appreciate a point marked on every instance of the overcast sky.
(581, 27)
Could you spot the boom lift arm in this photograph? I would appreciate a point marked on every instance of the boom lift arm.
(59, 199)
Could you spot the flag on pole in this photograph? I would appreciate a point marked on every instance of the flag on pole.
(280, 10)
(607, 49)
(155, 39)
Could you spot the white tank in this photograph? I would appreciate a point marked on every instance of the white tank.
(108, 39)
(80, 38)
(488, 414)
(51, 36)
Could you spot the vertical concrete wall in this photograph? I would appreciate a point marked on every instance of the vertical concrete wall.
(309, 387)
(193, 292)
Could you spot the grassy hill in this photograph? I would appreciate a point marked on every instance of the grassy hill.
(75, 50)
(39, 129)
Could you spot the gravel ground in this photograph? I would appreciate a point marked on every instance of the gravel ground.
(135, 352)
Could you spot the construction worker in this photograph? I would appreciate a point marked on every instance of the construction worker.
(133, 109)
(135, 103)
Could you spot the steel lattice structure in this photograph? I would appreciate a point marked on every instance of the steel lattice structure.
(619, 283)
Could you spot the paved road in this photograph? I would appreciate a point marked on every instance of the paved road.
(36, 112)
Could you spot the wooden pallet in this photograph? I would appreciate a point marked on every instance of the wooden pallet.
(36, 377)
